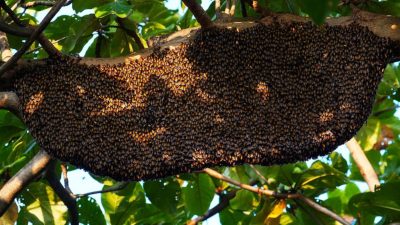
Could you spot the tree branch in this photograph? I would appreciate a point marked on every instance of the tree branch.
(274, 194)
(46, 44)
(117, 187)
(9, 100)
(224, 200)
(68, 199)
(363, 164)
(223, 203)
(21, 179)
(4, 47)
(199, 13)
(11, 13)
(14, 30)
(33, 36)
(65, 176)
(42, 3)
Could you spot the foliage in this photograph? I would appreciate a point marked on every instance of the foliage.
(175, 200)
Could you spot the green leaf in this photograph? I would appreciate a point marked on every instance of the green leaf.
(229, 216)
(262, 213)
(164, 194)
(198, 194)
(121, 206)
(368, 135)
(338, 162)
(90, 212)
(319, 178)
(118, 8)
(242, 201)
(384, 202)
(80, 5)
(73, 31)
(41, 205)
(338, 199)
(316, 9)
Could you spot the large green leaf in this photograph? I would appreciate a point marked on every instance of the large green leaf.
(121, 206)
(384, 202)
(80, 5)
(41, 205)
(118, 8)
(198, 194)
(242, 201)
(319, 178)
(338, 162)
(90, 212)
(164, 194)
(316, 9)
(368, 135)
(73, 31)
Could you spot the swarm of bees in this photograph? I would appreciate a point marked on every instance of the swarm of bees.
(268, 94)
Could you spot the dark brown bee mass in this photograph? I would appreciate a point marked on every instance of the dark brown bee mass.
(269, 94)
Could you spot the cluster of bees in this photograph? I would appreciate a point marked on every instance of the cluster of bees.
(268, 94)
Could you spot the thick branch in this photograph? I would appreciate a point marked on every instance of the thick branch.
(33, 36)
(20, 180)
(199, 13)
(47, 45)
(4, 47)
(10, 13)
(274, 194)
(363, 164)
(10, 101)
(65, 196)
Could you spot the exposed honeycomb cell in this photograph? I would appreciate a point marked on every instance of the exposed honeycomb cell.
(268, 94)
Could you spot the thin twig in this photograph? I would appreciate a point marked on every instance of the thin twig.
(363, 164)
(223, 203)
(199, 13)
(21, 179)
(116, 187)
(271, 193)
(259, 173)
(65, 196)
(64, 171)
(53, 11)
(322, 209)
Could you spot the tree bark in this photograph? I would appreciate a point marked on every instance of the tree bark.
(21, 179)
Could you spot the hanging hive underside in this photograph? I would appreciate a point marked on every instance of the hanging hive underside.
(268, 94)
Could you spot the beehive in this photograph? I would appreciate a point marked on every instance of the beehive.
(268, 94)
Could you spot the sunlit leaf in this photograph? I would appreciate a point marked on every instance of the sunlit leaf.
(198, 194)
